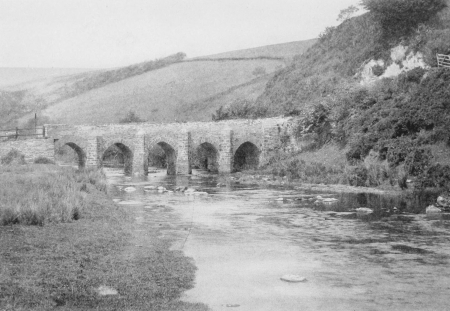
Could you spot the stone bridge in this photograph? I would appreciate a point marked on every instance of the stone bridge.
(223, 146)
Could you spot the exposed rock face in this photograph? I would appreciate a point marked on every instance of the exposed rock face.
(401, 62)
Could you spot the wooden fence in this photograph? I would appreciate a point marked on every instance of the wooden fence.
(443, 60)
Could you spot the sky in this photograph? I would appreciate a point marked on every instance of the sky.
(113, 33)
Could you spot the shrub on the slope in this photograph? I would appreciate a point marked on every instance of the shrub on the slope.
(400, 17)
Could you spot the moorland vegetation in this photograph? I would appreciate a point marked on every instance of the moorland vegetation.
(380, 133)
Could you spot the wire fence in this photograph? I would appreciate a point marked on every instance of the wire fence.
(17, 133)
(443, 60)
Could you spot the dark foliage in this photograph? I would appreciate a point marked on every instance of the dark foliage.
(239, 109)
(435, 176)
(400, 17)
(43, 160)
(131, 117)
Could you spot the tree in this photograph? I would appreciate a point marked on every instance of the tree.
(347, 13)
(403, 15)
(131, 117)
(259, 71)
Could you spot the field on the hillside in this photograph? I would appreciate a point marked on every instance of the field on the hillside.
(18, 77)
(163, 90)
(157, 95)
(283, 50)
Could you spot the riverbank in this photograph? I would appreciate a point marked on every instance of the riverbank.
(93, 261)
(255, 178)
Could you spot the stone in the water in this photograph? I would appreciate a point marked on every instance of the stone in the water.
(363, 211)
(329, 200)
(129, 189)
(200, 193)
(150, 187)
(116, 200)
(106, 291)
(433, 212)
(161, 188)
(293, 278)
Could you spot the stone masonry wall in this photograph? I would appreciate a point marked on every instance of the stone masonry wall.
(30, 148)
(184, 138)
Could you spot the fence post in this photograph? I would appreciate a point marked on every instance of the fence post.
(17, 132)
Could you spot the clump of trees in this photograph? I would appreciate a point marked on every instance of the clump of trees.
(131, 117)
(400, 17)
(239, 109)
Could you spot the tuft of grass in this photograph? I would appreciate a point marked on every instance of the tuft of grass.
(36, 195)
(13, 157)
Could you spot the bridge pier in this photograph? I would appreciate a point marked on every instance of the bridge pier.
(139, 153)
(92, 154)
(226, 151)
(183, 157)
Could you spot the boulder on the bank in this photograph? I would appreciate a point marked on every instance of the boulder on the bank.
(443, 201)
(433, 212)
(363, 212)
(106, 291)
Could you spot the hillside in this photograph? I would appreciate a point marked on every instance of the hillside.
(156, 96)
(374, 107)
(159, 91)
(24, 76)
(36, 95)
(283, 50)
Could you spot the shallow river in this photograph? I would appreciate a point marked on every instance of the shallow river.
(243, 239)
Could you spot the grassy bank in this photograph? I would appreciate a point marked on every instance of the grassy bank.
(81, 242)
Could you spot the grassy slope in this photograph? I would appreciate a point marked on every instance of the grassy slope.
(14, 77)
(283, 50)
(157, 95)
(62, 264)
(34, 96)
(187, 89)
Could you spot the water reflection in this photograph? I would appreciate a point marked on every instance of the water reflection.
(243, 239)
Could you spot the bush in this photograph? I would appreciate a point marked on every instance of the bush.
(399, 17)
(43, 160)
(131, 117)
(417, 161)
(377, 70)
(436, 175)
(357, 176)
(13, 157)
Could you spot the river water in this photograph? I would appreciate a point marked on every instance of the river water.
(243, 239)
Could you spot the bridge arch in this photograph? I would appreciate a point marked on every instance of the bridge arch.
(207, 157)
(246, 157)
(121, 153)
(167, 159)
(77, 144)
